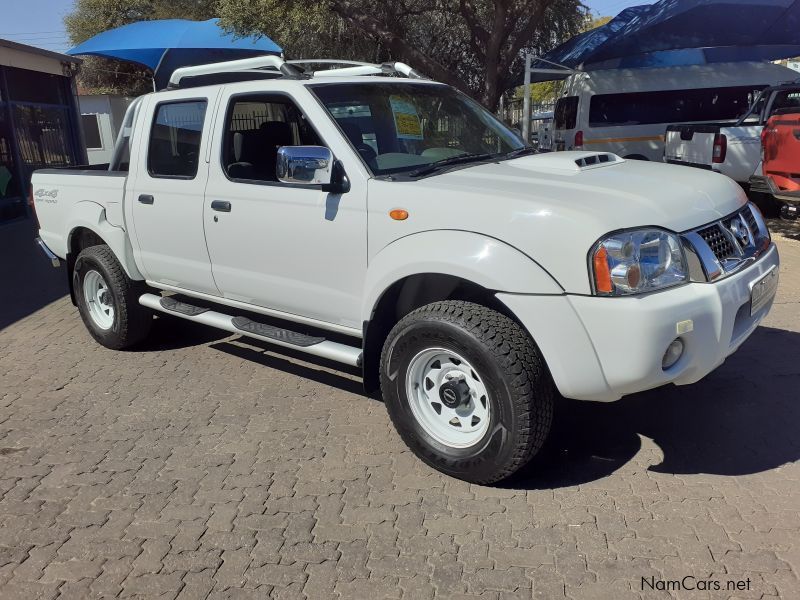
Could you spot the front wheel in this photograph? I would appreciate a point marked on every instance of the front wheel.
(108, 300)
(467, 390)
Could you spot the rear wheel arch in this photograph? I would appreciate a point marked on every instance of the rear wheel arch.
(89, 228)
(79, 239)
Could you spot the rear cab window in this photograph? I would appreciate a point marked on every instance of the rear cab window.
(175, 137)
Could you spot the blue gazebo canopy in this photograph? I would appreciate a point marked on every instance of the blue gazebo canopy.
(168, 44)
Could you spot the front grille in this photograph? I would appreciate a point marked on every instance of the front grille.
(748, 215)
(725, 246)
(718, 241)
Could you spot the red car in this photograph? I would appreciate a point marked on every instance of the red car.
(780, 152)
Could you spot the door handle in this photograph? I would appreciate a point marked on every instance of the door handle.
(221, 206)
(146, 199)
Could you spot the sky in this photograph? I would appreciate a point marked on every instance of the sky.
(40, 23)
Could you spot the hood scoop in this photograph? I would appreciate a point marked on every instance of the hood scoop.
(571, 161)
(597, 160)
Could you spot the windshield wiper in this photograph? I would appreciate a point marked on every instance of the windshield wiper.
(446, 162)
(524, 151)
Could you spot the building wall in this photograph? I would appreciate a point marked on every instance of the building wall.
(101, 117)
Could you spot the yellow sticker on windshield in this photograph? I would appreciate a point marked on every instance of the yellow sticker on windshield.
(406, 120)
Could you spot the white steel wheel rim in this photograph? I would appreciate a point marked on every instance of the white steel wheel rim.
(98, 300)
(428, 376)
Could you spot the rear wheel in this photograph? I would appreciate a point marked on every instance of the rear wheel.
(467, 390)
(108, 300)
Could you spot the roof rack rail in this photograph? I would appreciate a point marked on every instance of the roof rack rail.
(287, 68)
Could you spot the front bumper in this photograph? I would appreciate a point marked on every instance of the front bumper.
(604, 348)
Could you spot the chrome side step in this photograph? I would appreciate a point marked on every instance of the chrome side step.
(318, 346)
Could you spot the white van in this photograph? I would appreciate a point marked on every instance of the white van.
(626, 111)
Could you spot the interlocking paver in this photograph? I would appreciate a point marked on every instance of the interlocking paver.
(203, 466)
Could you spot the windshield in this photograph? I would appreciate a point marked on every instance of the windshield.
(403, 127)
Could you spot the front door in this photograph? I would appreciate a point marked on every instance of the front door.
(293, 249)
(166, 197)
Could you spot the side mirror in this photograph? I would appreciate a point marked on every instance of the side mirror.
(311, 165)
(304, 165)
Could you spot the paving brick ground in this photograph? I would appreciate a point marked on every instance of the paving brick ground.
(204, 466)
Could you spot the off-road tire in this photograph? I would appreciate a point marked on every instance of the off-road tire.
(132, 321)
(521, 390)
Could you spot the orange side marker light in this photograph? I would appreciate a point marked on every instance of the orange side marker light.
(398, 214)
(602, 274)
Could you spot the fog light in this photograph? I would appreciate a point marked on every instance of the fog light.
(673, 353)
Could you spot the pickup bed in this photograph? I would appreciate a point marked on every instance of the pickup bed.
(731, 148)
(394, 225)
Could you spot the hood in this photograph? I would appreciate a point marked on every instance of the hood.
(555, 206)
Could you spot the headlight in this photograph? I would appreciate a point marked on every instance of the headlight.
(633, 262)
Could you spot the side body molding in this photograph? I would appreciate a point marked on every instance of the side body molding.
(477, 258)
(92, 216)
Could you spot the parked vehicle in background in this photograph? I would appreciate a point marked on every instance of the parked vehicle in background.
(732, 148)
(394, 225)
(778, 174)
(626, 111)
(542, 131)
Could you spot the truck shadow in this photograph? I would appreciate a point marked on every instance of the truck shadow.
(29, 282)
(741, 419)
(313, 368)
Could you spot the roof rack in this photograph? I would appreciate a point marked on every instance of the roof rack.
(288, 68)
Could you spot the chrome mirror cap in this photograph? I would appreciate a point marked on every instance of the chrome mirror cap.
(304, 165)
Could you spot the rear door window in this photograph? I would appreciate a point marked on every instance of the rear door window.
(566, 113)
(174, 148)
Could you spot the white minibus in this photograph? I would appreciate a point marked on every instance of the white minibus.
(626, 111)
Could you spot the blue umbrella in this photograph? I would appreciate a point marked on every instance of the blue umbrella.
(165, 45)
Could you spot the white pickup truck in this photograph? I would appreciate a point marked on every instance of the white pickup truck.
(732, 148)
(393, 224)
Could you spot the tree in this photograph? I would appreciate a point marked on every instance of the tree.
(90, 17)
(475, 45)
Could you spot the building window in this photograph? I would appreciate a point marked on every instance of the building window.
(43, 135)
(91, 132)
(35, 87)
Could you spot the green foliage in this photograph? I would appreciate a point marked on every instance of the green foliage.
(475, 45)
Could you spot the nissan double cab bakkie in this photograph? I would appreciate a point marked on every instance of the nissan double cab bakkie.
(369, 216)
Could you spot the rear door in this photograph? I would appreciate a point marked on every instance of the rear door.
(166, 195)
(564, 123)
(690, 144)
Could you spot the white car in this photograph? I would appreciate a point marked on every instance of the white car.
(732, 148)
(626, 111)
(394, 224)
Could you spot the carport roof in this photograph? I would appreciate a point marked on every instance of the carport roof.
(39, 51)
(681, 32)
